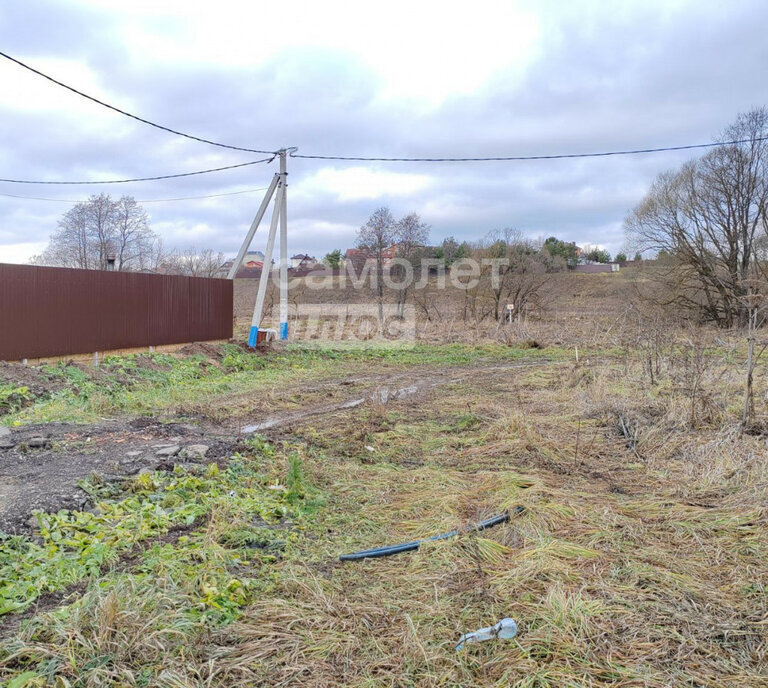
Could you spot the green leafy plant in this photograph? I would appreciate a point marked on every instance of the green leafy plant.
(295, 480)
(74, 545)
(13, 398)
(238, 360)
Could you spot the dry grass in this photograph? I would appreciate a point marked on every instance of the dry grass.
(628, 568)
(641, 558)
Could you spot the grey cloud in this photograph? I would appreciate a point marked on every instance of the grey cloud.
(632, 78)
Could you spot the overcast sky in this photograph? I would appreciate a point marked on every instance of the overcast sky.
(410, 79)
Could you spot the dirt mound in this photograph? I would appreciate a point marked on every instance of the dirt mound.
(150, 363)
(20, 375)
(212, 352)
(30, 382)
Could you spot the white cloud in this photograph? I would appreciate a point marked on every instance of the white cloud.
(25, 94)
(20, 253)
(425, 50)
(179, 233)
(361, 183)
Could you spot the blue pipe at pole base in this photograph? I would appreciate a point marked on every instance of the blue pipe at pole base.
(253, 336)
(284, 331)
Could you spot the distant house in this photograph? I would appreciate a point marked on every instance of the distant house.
(302, 260)
(253, 259)
(358, 257)
(389, 253)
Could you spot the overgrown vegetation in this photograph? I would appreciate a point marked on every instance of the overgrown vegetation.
(639, 558)
(188, 548)
(154, 383)
(72, 546)
(13, 398)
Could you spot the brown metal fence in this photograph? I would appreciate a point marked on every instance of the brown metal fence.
(60, 311)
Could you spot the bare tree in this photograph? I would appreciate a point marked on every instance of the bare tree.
(102, 219)
(91, 233)
(132, 239)
(428, 302)
(152, 255)
(514, 271)
(71, 245)
(710, 218)
(194, 262)
(377, 235)
(411, 235)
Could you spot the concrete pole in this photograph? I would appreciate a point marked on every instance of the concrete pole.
(254, 226)
(266, 269)
(284, 251)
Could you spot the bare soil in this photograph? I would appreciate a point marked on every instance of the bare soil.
(210, 351)
(46, 477)
(33, 378)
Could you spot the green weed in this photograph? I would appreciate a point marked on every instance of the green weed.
(73, 545)
(13, 398)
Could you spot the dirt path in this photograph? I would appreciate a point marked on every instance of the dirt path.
(41, 465)
(385, 391)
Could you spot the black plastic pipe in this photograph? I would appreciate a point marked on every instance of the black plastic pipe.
(415, 544)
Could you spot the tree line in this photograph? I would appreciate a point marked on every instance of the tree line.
(504, 268)
(107, 234)
(450, 250)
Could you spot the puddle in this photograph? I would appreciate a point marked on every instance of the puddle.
(257, 427)
(383, 395)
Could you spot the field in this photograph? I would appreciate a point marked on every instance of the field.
(635, 553)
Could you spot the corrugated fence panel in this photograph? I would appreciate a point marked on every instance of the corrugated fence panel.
(60, 311)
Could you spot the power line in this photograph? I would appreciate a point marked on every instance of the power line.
(194, 198)
(293, 152)
(140, 179)
(128, 114)
(146, 200)
(560, 156)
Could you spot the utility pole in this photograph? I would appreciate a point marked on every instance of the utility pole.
(284, 250)
(254, 226)
(258, 307)
(278, 189)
